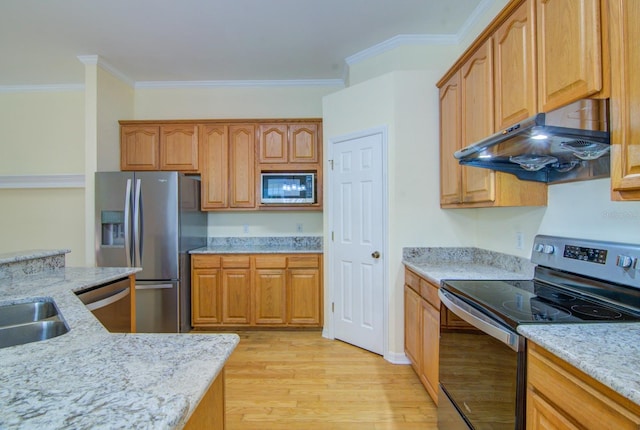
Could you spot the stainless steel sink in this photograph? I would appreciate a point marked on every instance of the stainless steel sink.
(22, 313)
(31, 332)
(30, 322)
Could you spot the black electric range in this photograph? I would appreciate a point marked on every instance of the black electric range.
(575, 281)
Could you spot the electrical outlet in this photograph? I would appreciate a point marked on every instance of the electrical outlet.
(299, 227)
(519, 240)
(245, 228)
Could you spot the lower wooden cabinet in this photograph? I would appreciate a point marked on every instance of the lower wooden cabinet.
(422, 330)
(559, 396)
(259, 290)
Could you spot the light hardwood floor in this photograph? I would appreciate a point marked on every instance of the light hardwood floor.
(300, 380)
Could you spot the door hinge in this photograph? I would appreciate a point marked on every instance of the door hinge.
(331, 236)
(331, 162)
(333, 307)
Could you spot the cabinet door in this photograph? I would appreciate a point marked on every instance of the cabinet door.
(430, 348)
(179, 147)
(272, 143)
(303, 290)
(270, 296)
(515, 67)
(214, 155)
(542, 415)
(236, 296)
(242, 166)
(303, 144)
(205, 297)
(625, 93)
(139, 148)
(450, 141)
(478, 185)
(569, 51)
(413, 327)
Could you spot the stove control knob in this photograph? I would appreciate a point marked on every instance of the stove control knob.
(548, 249)
(538, 247)
(624, 261)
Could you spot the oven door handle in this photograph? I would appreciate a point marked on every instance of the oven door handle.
(479, 320)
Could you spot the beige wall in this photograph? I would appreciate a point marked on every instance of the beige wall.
(42, 133)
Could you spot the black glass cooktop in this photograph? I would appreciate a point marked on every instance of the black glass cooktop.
(522, 302)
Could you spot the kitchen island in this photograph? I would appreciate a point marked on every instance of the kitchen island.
(89, 378)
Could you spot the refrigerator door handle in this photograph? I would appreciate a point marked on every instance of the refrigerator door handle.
(127, 227)
(137, 224)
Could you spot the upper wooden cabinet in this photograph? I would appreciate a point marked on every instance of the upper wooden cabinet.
(569, 38)
(467, 115)
(288, 143)
(159, 147)
(624, 27)
(228, 166)
(515, 67)
(476, 83)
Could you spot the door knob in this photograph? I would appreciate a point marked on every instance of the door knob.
(375, 254)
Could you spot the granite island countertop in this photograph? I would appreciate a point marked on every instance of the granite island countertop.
(262, 245)
(89, 378)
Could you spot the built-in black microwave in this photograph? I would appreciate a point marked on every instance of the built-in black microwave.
(288, 188)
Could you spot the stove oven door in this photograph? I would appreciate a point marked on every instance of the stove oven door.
(482, 372)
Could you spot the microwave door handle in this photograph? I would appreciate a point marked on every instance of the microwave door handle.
(479, 320)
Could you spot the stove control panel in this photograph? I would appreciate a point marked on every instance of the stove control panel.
(612, 261)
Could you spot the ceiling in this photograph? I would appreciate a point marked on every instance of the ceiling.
(210, 40)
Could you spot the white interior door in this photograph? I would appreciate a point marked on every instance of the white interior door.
(358, 232)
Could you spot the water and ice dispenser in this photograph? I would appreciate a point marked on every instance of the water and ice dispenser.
(112, 228)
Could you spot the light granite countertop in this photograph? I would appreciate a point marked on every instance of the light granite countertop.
(89, 378)
(262, 245)
(437, 264)
(608, 352)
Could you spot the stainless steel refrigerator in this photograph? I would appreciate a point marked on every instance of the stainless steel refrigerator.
(151, 220)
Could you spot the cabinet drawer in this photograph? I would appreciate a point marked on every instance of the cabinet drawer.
(271, 262)
(412, 280)
(236, 261)
(205, 261)
(429, 292)
(303, 261)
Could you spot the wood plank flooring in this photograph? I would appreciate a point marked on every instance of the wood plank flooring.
(300, 380)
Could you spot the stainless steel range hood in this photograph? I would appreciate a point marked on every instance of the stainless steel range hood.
(569, 144)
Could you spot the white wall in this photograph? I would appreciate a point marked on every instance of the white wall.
(42, 133)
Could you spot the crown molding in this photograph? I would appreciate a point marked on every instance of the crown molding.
(42, 181)
(96, 60)
(241, 83)
(482, 7)
(48, 88)
(402, 40)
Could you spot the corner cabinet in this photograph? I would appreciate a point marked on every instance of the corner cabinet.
(256, 290)
(624, 20)
(559, 396)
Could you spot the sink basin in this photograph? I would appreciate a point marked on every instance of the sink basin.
(30, 322)
(32, 332)
(22, 313)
